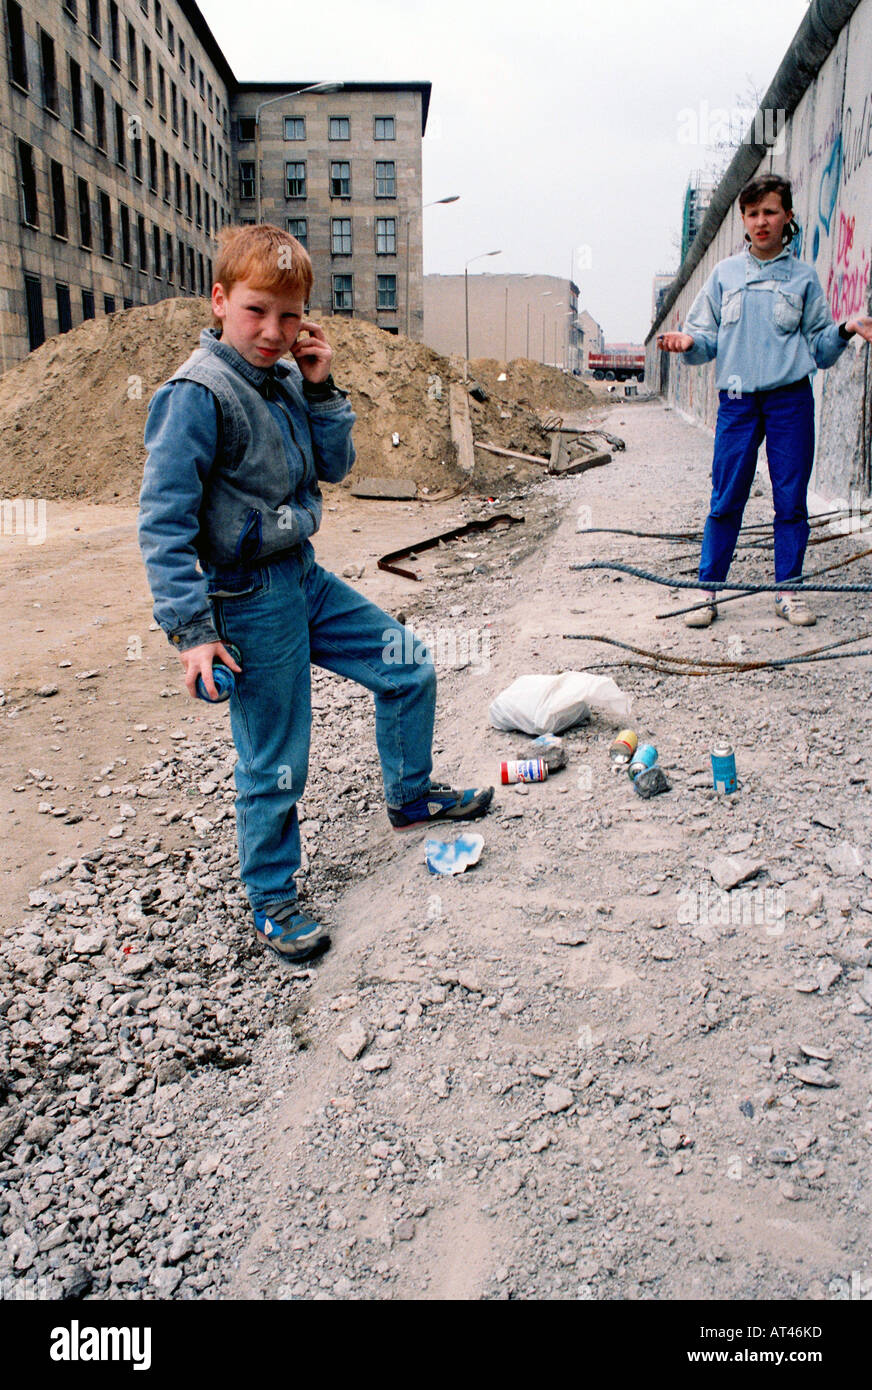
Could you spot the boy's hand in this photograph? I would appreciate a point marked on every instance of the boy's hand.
(313, 354)
(197, 661)
(862, 324)
(674, 342)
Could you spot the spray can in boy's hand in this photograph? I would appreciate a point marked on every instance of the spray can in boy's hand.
(224, 678)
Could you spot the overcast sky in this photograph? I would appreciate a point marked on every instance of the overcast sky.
(557, 121)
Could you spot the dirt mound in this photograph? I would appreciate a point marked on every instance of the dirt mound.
(72, 414)
(531, 384)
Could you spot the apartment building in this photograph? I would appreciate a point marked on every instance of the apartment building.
(341, 170)
(533, 316)
(115, 159)
(127, 143)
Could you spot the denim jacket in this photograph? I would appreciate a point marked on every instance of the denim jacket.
(767, 322)
(231, 478)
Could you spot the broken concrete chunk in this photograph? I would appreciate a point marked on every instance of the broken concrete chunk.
(398, 489)
(728, 870)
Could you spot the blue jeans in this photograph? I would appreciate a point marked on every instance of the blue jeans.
(785, 417)
(283, 617)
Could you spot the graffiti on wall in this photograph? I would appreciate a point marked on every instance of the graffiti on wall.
(849, 273)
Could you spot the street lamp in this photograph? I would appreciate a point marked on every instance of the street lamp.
(482, 255)
(452, 198)
(301, 91)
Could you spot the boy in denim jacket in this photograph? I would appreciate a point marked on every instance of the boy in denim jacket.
(764, 316)
(237, 440)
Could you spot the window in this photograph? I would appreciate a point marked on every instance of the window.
(105, 225)
(385, 236)
(167, 193)
(168, 245)
(192, 283)
(99, 99)
(340, 179)
(295, 179)
(136, 144)
(340, 236)
(152, 164)
(35, 322)
(209, 91)
(206, 222)
(29, 207)
(192, 71)
(182, 62)
(174, 106)
(386, 290)
(338, 128)
(125, 234)
(185, 140)
(114, 34)
(195, 136)
(132, 73)
(146, 75)
(76, 97)
(385, 128)
(181, 265)
(299, 228)
(72, 9)
(108, 304)
(156, 251)
(88, 304)
(385, 178)
(295, 127)
(343, 292)
(94, 19)
(84, 215)
(199, 205)
(158, 17)
(161, 93)
(49, 73)
(189, 201)
(142, 240)
(171, 36)
(119, 135)
(201, 274)
(128, 303)
(65, 312)
(246, 178)
(143, 5)
(202, 86)
(17, 54)
(178, 169)
(246, 129)
(58, 200)
(212, 154)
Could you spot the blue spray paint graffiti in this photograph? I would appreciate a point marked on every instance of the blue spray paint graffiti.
(828, 193)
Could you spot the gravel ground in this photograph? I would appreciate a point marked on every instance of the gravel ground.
(623, 1057)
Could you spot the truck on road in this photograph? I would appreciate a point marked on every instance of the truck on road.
(617, 364)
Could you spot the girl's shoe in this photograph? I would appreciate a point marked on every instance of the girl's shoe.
(795, 610)
(701, 617)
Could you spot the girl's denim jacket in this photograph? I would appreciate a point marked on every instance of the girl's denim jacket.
(767, 322)
(231, 478)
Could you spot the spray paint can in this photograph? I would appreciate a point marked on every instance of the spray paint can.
(524, 770)
(724, 768)
(644, 756)
(224, 678)
(623, 748)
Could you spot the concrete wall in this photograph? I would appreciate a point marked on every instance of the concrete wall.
(509, 316)
(826, 151)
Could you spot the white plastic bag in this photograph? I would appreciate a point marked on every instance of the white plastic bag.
(550, 704)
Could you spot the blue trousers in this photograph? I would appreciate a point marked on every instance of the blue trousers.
(785, 418)
(283, 617)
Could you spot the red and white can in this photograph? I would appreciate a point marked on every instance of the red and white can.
(524, 770)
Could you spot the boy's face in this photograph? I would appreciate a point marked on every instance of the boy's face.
(261, 325)
(765, 222)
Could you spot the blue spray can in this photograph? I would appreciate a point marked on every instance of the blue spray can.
(644, 757)
(224, 678)
(724, 768)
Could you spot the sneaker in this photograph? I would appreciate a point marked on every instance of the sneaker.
(701, 617)
(441, 803)
(795, 610)
(289, 932)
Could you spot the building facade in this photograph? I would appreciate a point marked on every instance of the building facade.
(115, 158)
(593, 338)
(533, 316)
(126, 146)
(341, 170)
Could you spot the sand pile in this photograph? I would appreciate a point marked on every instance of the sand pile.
(72, 414)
